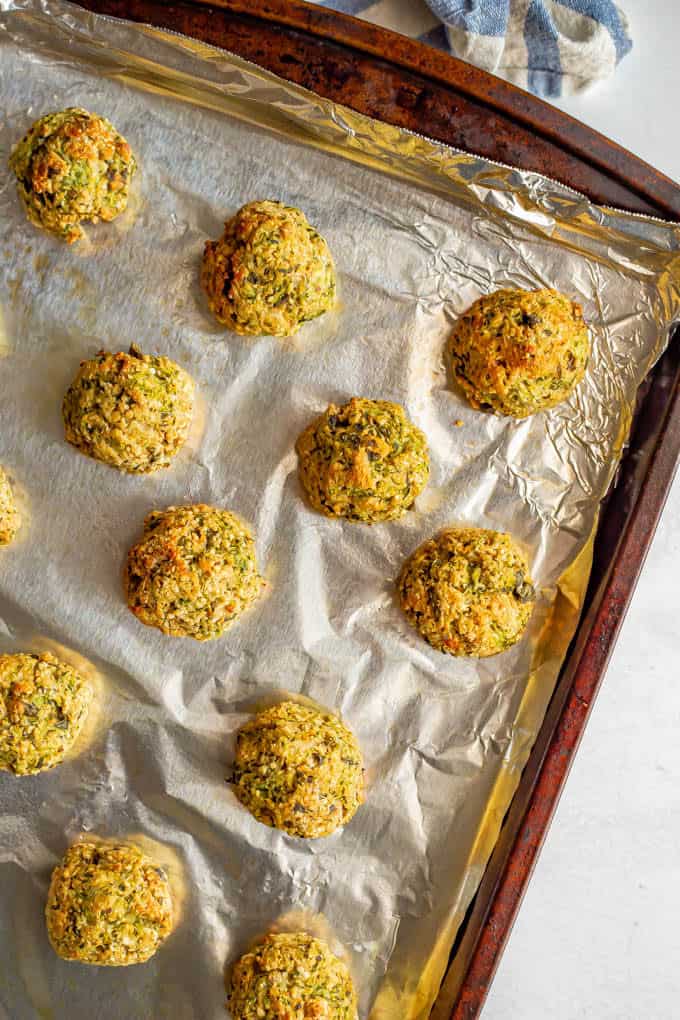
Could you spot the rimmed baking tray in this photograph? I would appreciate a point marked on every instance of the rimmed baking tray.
(402, 82)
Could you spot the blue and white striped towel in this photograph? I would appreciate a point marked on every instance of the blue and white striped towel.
(552, 47)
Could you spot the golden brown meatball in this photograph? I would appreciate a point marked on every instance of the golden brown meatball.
(43, 706)
(468, 591)
(10, 521)
(519, 351)
(299, 769)
(193, 572)
(269, 272)
(131, 411)
(72, 167)
(108, 905)
(291, 976)
(364, 461)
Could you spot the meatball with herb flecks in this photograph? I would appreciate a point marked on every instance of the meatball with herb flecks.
(43, 706)
(468, 591)
(108, 905)
(291, 976)
(72, 167)
(131, 411)
(519, 352)
(298, 769)
(193, 572)
(269, 272)
(364, 461)
(10, 520)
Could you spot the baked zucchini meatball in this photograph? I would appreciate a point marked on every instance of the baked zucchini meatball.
(10, 521)
(298, 769)
(364, 461)
(131, 411)
(291, 976)
(193, 572)
(519, 351)
(269, 272)
(468, 591)
(108, 905)
(72, 167)
(43, 705)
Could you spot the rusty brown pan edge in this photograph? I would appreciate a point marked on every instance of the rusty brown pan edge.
(492, 915)
(337, 56)
(545, 120)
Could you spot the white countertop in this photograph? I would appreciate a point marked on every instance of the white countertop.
(598, 935)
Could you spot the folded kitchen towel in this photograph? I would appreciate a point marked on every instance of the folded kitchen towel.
(552, 47)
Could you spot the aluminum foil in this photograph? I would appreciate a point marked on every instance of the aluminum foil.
(418, 232)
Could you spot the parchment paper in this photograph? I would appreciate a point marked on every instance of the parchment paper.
(418, 232)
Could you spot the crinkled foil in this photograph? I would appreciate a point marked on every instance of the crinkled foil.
(418, 232)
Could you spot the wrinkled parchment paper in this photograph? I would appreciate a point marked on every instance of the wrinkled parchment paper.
(418, 232)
